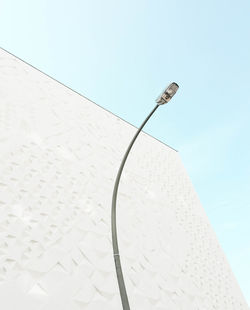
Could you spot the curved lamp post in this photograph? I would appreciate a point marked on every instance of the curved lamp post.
(165, 97)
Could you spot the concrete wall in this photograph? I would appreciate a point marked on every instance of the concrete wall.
(59, 156)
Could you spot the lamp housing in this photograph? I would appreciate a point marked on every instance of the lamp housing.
(167, 94)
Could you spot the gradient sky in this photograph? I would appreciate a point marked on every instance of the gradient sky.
(121, 54)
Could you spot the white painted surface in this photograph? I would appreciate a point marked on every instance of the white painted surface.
(59, 157)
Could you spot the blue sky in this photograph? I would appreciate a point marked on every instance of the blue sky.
(121, 54)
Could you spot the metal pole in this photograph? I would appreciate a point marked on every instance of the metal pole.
(122, 288)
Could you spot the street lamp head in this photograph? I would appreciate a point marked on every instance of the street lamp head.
(167, 94)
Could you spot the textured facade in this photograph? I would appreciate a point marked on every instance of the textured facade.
(59, 156)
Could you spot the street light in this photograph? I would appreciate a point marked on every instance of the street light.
(165, 97)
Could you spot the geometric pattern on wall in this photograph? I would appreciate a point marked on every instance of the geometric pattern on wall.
(59, 157)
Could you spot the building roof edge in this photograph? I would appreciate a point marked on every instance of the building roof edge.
(68, 87)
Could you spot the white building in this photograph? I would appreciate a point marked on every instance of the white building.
(59, 157)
